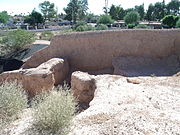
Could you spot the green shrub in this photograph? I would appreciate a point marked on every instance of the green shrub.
(169, 21)
(178, 23)
(131, 26)
(46, 35)
(80, 23)
(54, 113)
(101, 27)
(105, 19)
(17, 39)
(132, 17)
(84, 28)
(142, 26)
(12, 100)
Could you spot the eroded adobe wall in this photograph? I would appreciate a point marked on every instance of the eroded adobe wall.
(95, 50)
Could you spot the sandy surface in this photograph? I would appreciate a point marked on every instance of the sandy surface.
(124, 106)
(121, 108)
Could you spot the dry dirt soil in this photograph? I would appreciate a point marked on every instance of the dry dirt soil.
(124, 106)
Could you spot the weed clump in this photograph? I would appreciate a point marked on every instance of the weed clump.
(13, 99)
(53, 112)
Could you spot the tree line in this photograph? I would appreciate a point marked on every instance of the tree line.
(76, 10)
(155, 12)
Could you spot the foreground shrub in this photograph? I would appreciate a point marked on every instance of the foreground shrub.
(17, 39)
(46, 35)
(54, 113)
(101, 27)
(12, 100)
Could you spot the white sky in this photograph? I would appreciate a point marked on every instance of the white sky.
(95, 6)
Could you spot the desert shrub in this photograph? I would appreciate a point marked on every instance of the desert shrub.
(142, 26)
(169, 21)
(13, 99)
(131, 26)
(17, 39)
(105, 19)
(132, 17)
(46, 35)
(84, 28)
(53, 113)
(80, 23)
(178, 23)
(101, 27)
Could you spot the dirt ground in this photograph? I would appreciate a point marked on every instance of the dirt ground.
(124, 106)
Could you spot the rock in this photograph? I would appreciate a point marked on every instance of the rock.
(134, 80)
(83, 86)
(59, 67)
(44, 77)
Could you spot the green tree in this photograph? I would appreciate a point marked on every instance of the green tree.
(159, 8)
(169, 21)
(132, 18)
(83, 8)
(140, 10)
(91, 18)
(48, 10)
(105, 19)
(128, 10)
(173, 7)
(76, 9)
(150, 13)
(117, 12)
(4, 17)
(34, 19)
(121, 12)
(113, 12)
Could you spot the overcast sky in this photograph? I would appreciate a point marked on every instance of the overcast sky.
(95, 6)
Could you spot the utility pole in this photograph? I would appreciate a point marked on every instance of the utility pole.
(163, 8)
(106, 6)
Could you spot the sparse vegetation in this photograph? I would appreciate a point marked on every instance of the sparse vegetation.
(53, 113)
(46, 35)
(13, 99)
(16, 40)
